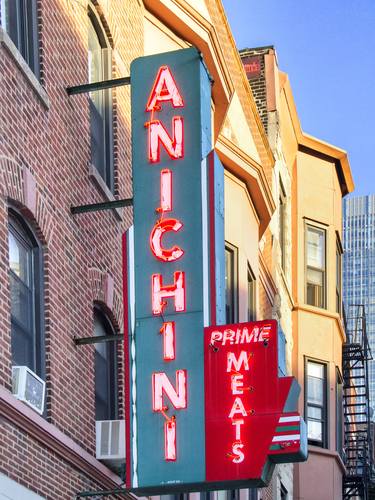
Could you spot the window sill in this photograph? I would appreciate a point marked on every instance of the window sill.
(103, 188)
(6, 41)
(328, 453)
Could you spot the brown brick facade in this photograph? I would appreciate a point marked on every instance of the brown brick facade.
(44, 169)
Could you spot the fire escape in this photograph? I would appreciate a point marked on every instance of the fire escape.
(357, 432)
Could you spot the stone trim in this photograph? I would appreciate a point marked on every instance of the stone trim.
(104, 291)
(18, 183)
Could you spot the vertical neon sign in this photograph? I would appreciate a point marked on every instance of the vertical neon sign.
(165, 90)
(171, 141)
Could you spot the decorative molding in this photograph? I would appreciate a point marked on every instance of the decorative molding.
(104, 291)
(19, 184)
(323, 312)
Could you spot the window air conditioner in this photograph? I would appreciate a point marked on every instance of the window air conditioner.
(110, 441)
(28, 387)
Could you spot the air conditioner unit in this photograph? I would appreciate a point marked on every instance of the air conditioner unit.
(110, 441)
(28, 387)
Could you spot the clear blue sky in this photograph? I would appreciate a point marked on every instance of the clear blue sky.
(328, 49)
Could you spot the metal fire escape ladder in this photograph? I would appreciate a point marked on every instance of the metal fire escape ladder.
(357, 438)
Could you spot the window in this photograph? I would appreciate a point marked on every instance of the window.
(282, 220)
(100, 102)
(231, 273)
(106, 407)
(339, 413)
(338, 276)
(316, 402)
(251, 295)
(253, 494)
(25, 268)
(19, 19)
(315, 266)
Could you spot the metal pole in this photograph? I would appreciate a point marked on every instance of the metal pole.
(107, 205)
(92, 87)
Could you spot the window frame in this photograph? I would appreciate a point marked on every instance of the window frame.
(111, 369)
(339, 259)
(107, 173)
(27, 42)
(282, 223)
(251, 295)
(325, 410)
(21, 230)
(319, 228)
(232, 250)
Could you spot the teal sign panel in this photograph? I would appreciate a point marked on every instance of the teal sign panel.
(169, 293)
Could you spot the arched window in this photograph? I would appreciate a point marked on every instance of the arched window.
(26, 296)
(106, 404)
(100, 68)
(19, 19)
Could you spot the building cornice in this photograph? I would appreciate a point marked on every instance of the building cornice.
(323, 312)
(183, 19)
(313, 145)
(252, 174)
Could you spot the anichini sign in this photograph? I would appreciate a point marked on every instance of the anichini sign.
(191, 423)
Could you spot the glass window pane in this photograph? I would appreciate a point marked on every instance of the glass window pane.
(314, 430)
(315, 390)
(315, 369)
(21, 302)
(315, 277)
(314, 413)
(315, 247)
(22, 347)
(19, 258)
(229, 285)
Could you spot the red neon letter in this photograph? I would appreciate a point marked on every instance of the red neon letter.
(165, 191)
(168, 331)
(160, 292)
(164, 89)
(161, 384)
(239, 456)
(242, 360)
(238, 407)
(157, 134)
(165, 254)
(170, 440)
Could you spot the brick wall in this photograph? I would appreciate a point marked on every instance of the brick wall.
(48, 148)
(258, 81)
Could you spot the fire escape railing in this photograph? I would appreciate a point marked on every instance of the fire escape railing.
(357, 431)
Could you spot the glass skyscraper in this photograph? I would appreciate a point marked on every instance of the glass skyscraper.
(359, 265)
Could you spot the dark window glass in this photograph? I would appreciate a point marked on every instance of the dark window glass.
(105, 370)
(338, 278)
(19, 19)
(315, 266)
(316, 403)
(233, 495)
(253, 494)
(339, 414)
(100, 102)
(251, 295)
(231, 293)
(25, 261)
(282, 218)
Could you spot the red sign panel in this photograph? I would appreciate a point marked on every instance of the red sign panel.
(250, 415)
